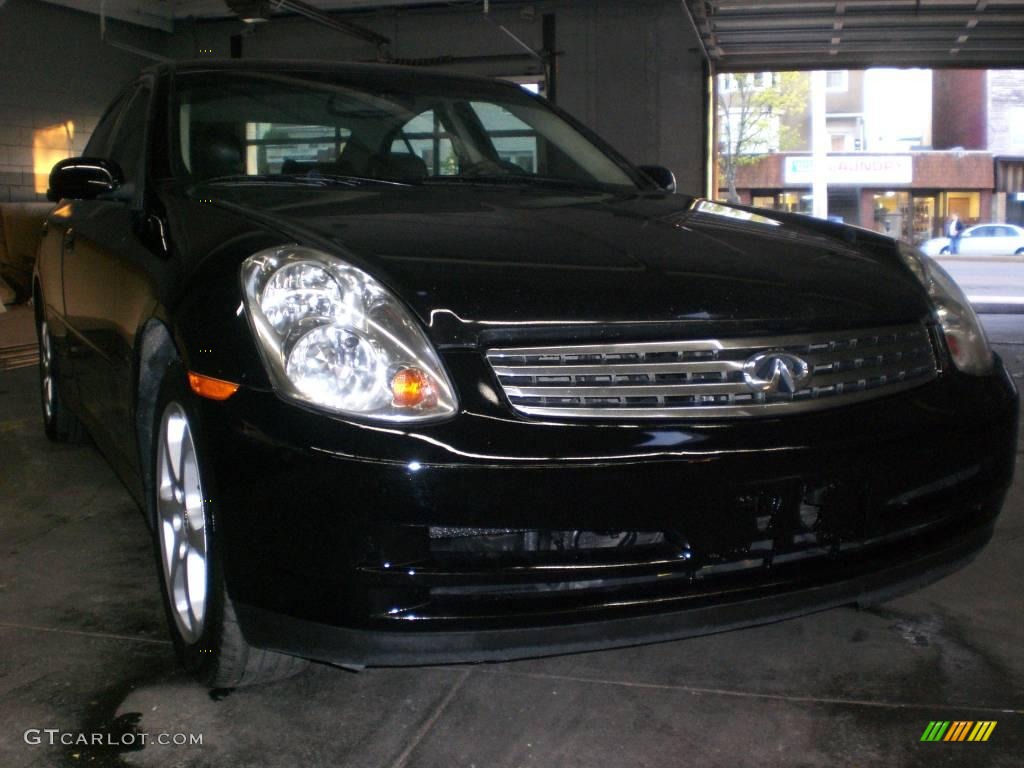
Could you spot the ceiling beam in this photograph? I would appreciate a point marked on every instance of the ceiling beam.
(700, 30)
(214, 9)
(145, 13)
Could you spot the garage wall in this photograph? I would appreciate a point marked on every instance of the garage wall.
(631, 69)
(55, 70)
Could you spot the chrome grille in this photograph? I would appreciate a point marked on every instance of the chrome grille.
(705, 378)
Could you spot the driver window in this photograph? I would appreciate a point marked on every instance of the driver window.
(126, 148)
(426, 137)
(99, 143)
(513, 140)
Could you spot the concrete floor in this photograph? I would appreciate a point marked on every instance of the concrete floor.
(84, 650)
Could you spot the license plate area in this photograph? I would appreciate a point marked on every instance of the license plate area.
(772, 525)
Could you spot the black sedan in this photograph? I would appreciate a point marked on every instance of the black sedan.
(410, 368)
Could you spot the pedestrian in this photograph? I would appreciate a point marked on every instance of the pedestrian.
(954, 229)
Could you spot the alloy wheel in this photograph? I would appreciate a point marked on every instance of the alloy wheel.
(46, 370)
(182, 523)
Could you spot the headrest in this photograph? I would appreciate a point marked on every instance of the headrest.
(399, 165)
(216, 151)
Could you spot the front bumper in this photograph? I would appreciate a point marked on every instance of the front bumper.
(358, 648)
(336, 537)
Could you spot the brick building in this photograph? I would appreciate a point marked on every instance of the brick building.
(905, 194)
(957, 147)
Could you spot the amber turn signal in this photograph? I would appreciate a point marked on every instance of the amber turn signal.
(411, 387)
(210, 388)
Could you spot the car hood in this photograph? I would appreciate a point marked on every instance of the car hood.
(478, 263)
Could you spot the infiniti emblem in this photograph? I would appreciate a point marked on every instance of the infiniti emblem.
(776, 372)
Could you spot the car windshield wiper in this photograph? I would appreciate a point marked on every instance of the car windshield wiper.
(519, 180)
(309, 179)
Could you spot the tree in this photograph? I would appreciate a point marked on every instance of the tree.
(757, 115)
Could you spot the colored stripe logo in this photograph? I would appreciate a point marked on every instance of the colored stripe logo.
(958, 730)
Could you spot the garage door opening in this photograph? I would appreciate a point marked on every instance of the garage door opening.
(905, 153)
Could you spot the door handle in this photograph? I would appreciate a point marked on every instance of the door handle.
(69, 240)
(45, 228)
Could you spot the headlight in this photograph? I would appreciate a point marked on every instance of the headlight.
(334, 337)
(965, 337)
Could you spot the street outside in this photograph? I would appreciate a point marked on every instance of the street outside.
(992, 283)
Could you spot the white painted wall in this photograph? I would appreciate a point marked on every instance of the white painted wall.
(54, 69)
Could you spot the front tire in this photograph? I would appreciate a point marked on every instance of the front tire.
(200, 615)
(946, 250)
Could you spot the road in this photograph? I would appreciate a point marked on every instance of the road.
(990, 282)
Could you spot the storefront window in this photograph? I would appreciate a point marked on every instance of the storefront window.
(925, 225)
(795, 202)
(892, 214)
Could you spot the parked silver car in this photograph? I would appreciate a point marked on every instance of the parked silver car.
(981, 239)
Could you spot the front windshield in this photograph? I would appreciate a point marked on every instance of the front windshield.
(379, 126)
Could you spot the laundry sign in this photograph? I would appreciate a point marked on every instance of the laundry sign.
(853, 169)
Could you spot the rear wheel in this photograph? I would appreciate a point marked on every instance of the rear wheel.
(200, 615)
(945, 251)
(60, 424)
(1019, 252)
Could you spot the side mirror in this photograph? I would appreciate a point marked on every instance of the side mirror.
(661, 176)
(83, 178)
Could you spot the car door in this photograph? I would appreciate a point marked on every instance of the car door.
(976, 240)
(1003, 241)
(98, 267)
(50, 267)
(51, 301)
